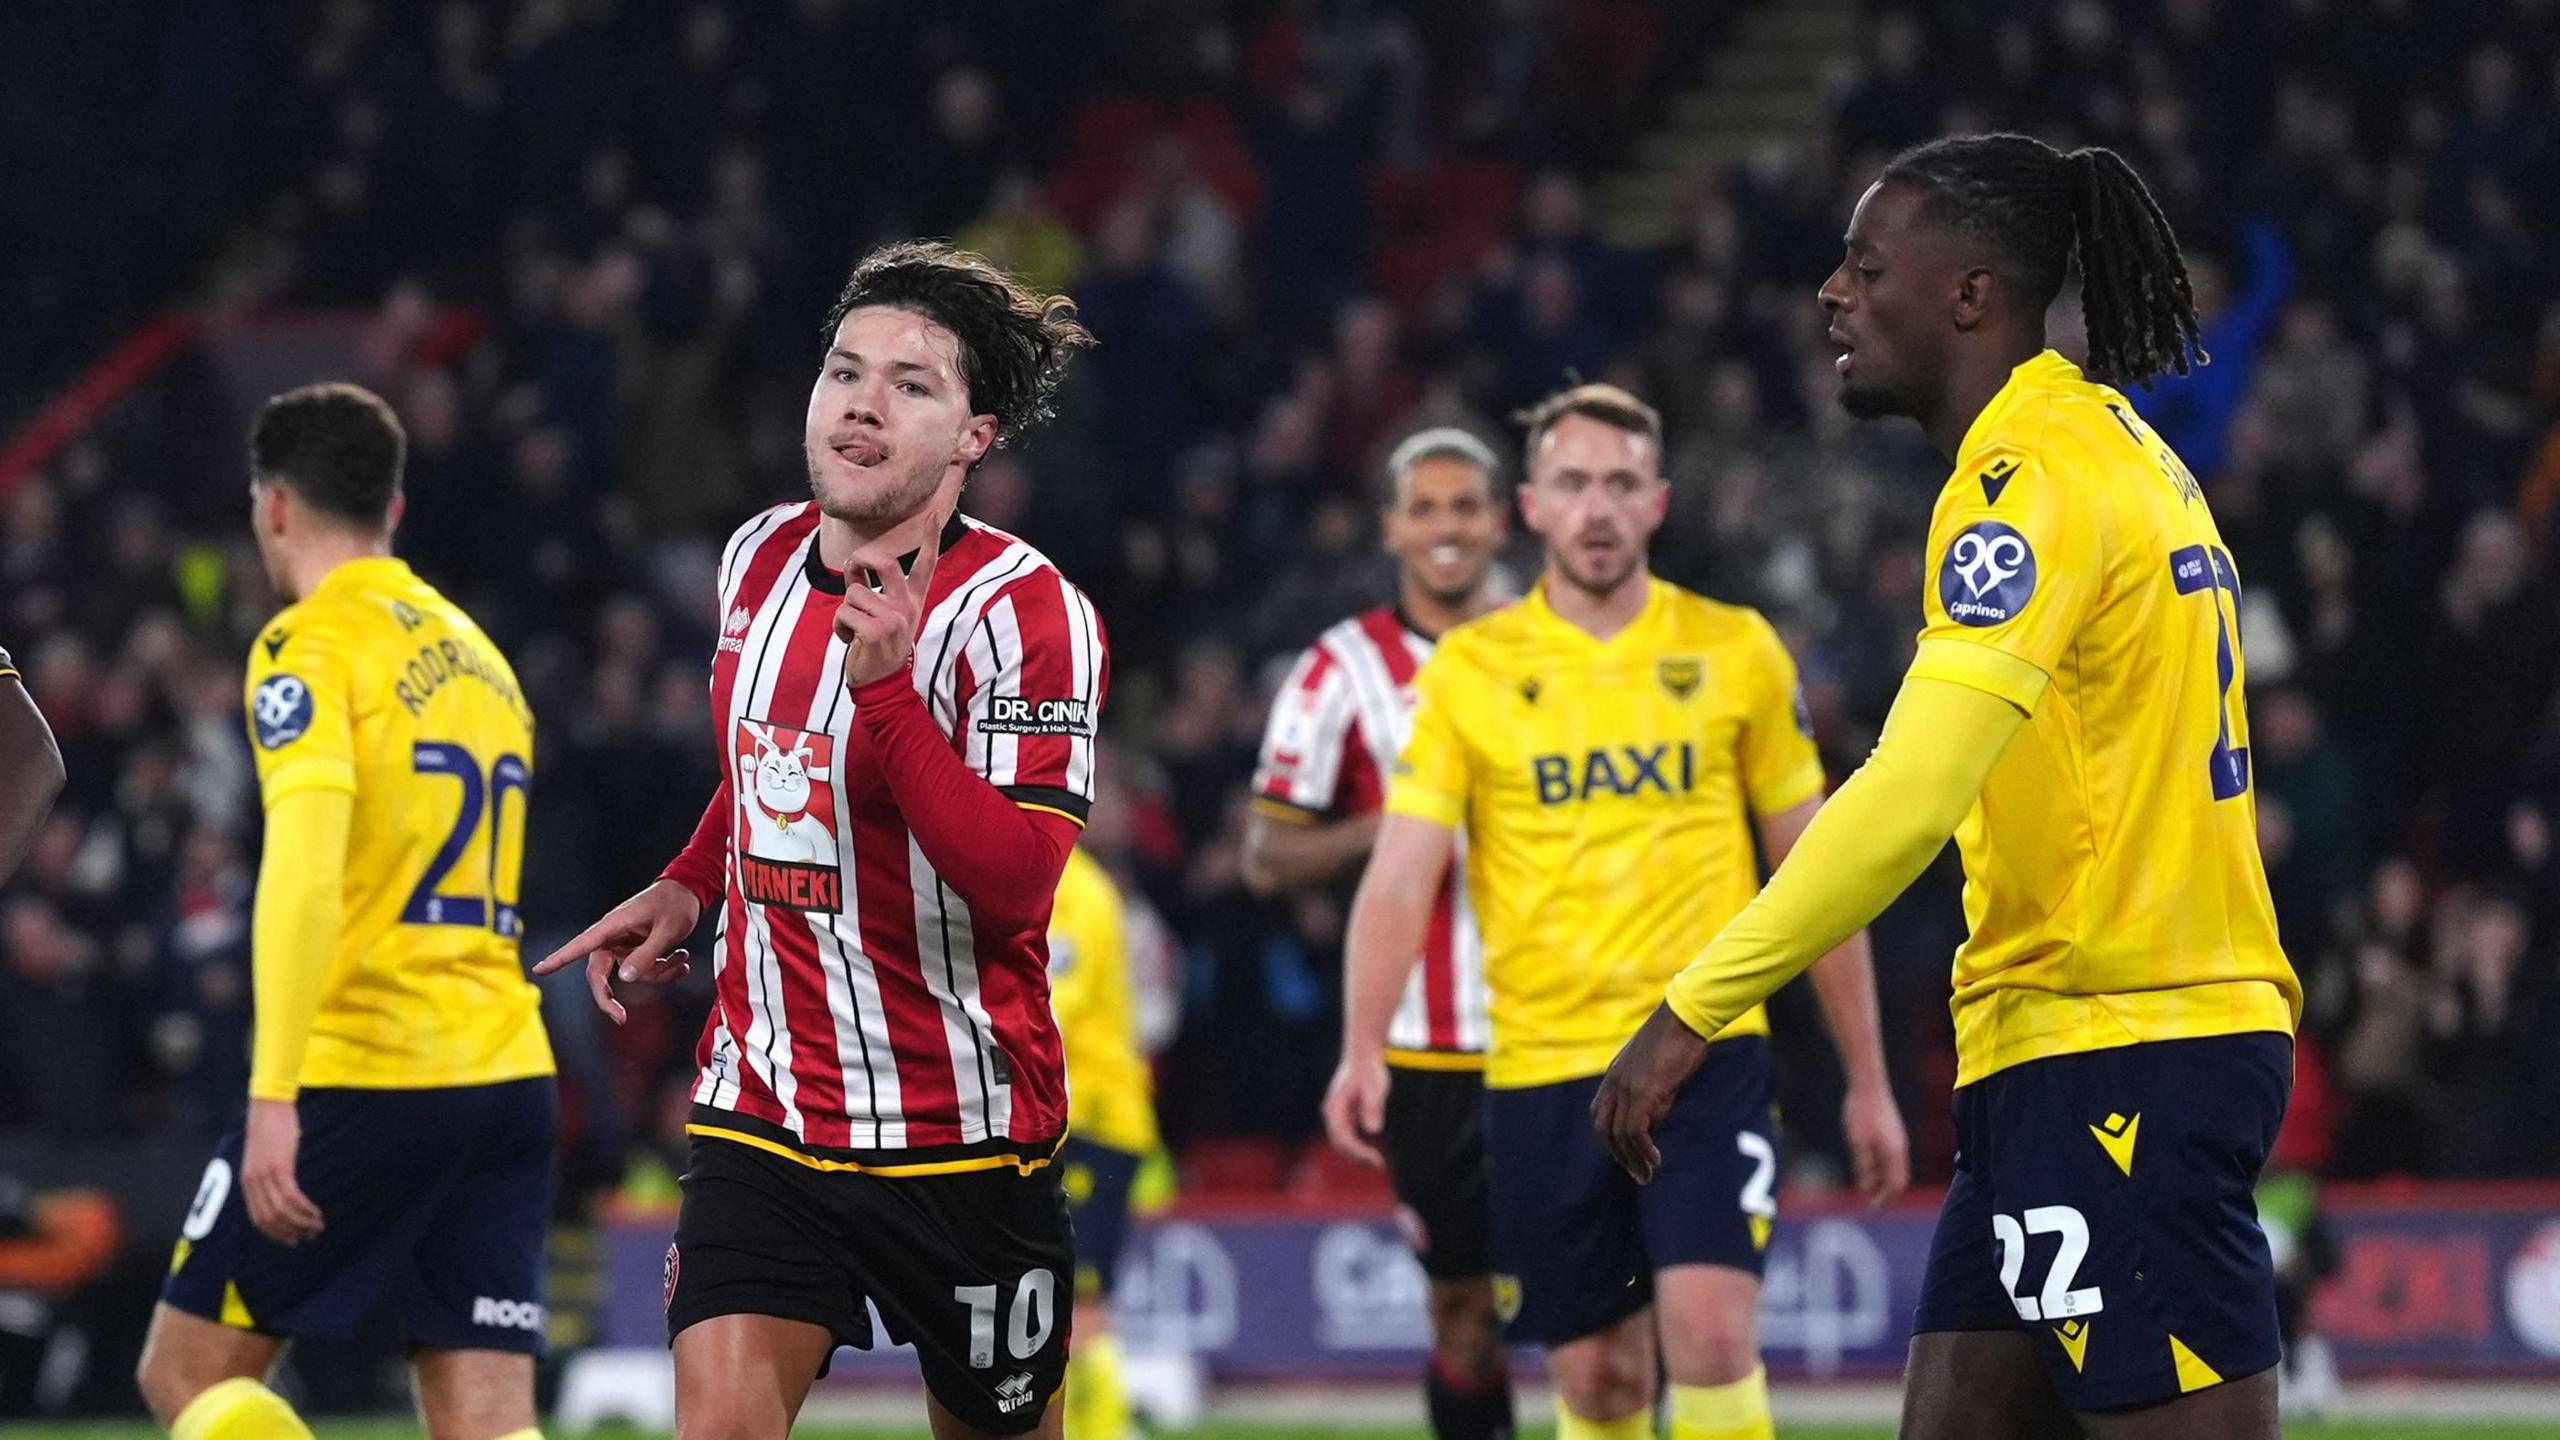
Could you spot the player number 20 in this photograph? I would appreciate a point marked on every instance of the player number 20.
(1035, 1315)
(507, 775)
(2059, 1300)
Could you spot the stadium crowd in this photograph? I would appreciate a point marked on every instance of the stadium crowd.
(591, 241)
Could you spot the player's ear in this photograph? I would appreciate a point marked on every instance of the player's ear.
(1976, 288)
(976, 440)
(399, 507)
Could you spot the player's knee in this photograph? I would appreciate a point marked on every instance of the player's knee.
(1718, 1348)
(706, 1413)
(1609, 1384)
(169, 1378)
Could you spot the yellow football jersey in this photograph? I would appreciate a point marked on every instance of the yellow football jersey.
(377, 685)
(1607, 789)
(1110, 1092)
(2113, 889)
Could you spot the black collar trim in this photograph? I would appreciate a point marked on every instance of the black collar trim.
(829, 582)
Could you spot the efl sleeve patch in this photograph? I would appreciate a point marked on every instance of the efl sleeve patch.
(1987, 575)
(280, 711)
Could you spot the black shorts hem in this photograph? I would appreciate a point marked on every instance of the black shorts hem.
(2159, 1389)
(1565, 1332)
(187, 1305)
(527, 1342)
(774, 1307)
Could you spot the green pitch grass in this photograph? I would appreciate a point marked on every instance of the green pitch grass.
(387, 1430)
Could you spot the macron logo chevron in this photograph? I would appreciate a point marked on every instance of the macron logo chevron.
(1996, 479)
(2117, 1136)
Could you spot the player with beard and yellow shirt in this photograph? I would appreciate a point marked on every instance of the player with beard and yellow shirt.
(399, 1141)
(2073, 718)
(1609, 746)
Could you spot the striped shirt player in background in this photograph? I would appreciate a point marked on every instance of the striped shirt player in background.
(1336, 726)
(905, 704)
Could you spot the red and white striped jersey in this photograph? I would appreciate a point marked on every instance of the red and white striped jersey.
(858, 1007)
(1336, 727)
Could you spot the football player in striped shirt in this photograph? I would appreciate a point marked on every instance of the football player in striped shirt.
(399, 1142)
(1336, 726)
(30, 769)
(2123, 1012)
(906, 740)
(1610, 747)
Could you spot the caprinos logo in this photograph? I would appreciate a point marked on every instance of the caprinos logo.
(1987, 575)
(1988, 561)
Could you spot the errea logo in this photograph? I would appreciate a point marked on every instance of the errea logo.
(507, 1314)
(1013, 1392)
(733, 632)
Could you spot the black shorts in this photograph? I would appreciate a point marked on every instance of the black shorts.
(434, 1200)
(1434, 1144)
(2106, 1201)
(974, 1269)
(1097, 1179)
(1576, 1241)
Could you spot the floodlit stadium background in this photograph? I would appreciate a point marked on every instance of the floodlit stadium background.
(584, 247)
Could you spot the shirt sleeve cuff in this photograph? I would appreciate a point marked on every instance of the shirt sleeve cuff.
(1682, 1005)
(1802, 784)
(307, 775)
(1288, 812)
(1406, 798)
(1980, 667)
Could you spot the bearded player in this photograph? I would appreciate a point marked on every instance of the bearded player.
(882, 1090)
(1336, 726)
(2123, 1013)
(1611, 748)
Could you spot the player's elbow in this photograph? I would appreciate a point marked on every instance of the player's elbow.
(1257, 866)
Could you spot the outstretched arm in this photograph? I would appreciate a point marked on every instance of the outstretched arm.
(1870, 842)
(1845, 982)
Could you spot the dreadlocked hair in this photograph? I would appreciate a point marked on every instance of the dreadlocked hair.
(2041, 208)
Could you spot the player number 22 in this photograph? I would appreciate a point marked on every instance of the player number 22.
(2059, 1300)
(1035, 1315)
(507, 775)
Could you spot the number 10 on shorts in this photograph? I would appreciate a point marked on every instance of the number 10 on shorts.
(1035, 1314)
(2058, 1300)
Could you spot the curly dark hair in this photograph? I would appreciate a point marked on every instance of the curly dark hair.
(1014, 341)
(2043, 208)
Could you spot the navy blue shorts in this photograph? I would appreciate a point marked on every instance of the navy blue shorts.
(1097, 1179)
(1576, 1241)
(2104, 1202)
(434, 1200)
